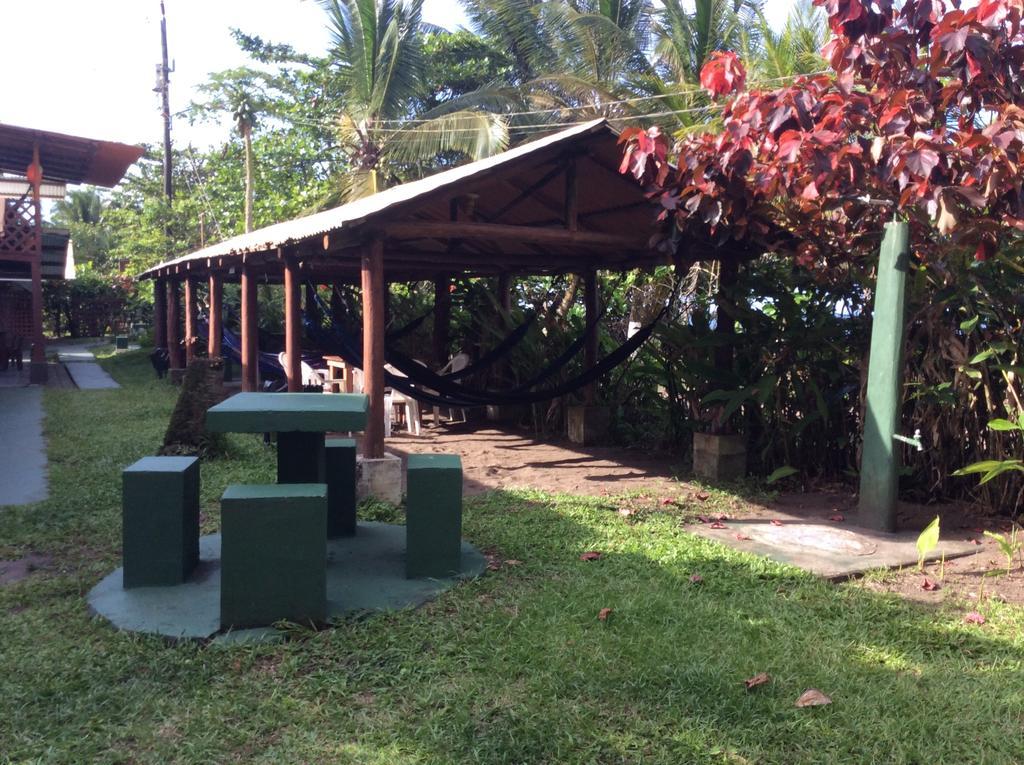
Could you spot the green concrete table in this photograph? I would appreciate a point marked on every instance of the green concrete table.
(300, 421)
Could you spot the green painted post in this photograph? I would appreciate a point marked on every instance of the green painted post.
(300, 457)
(341, 487)
(273, 554)
(879, 467)
(160, 521)
(433, 522)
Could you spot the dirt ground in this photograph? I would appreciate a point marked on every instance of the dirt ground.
(501, 458)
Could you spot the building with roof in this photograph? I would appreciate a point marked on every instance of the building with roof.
(35, 165)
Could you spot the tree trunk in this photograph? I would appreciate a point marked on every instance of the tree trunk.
(249, 191)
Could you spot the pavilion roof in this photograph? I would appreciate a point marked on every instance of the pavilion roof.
(68, 158)
(509, 212)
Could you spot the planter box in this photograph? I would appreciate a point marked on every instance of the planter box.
(719, 457)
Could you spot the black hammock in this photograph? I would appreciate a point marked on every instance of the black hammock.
(455, 395)
(507, 343)
(444, 384)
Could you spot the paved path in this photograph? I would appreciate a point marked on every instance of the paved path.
(23, 465)
(82, 366)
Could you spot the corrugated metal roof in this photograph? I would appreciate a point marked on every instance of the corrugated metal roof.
(68, 158)
(354, 213)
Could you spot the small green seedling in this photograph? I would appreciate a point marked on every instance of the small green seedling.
(927, 541)
(1008, 545)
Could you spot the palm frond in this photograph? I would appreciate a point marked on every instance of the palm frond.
(475, 134)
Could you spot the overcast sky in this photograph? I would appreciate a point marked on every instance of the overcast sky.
(95, 67)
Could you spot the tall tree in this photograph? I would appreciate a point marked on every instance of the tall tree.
(242, 94)
(377, 54)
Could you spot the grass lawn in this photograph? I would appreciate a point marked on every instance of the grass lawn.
(512, 668)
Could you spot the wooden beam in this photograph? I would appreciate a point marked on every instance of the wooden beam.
(591, 302)
(216, 318)
(572, 204)
(525, 234)
(373, 346)
(250, 328)
(191, 319)
(293, 325)
(525, 193)
(173, 322)
(160, 313)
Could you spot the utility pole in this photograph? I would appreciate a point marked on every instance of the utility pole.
(163, 78)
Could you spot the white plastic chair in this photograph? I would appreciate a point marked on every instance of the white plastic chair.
(456, 363)
(310, 377)
(397, 398)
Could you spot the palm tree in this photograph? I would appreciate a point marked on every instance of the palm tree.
(242, 93)
(84, 205)
(794, 50)
(376, 49)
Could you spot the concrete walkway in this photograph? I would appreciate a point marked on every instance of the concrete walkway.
(23, 466)
(82, 366)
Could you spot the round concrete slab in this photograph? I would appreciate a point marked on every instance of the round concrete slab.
(364, 573)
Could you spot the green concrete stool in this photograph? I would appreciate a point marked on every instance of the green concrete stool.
(160, 514)
(273, 554)
(341, 487)
(433, 507)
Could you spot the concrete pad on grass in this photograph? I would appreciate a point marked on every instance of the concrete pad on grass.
(827, 549)
(88, 375)
(365, 573)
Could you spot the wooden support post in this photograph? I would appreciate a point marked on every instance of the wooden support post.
(879, 466)
(293, 325)
(191, 319)
(591, 302)
(373, 346)
(250, 328)
(442, 319)
(38, 370)
(159, 313)
(216, 318)
(174, 349)
(505, 298)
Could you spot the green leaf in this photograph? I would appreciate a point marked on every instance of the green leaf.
(1004, 467)
(979, 357)
(1001, 424)
(927, 541)
(979, 467)
(783, 472)
(969, 324)
(1003, 542)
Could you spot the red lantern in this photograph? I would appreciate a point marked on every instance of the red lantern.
(34, 173)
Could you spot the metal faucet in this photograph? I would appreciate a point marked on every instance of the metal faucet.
(915, 441)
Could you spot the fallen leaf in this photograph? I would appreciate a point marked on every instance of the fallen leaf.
(513, 562)
(603, 614)
(591, 555)
(668, 501)
(929, 584)
(776, 522)
(717, 525)
(975, 542)
(838, 518)
(974, 618)
(812, 697)
(703, 496)
(696, 578)
(625, 512)
(742, 537)
(759, 679)
(493, 565)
